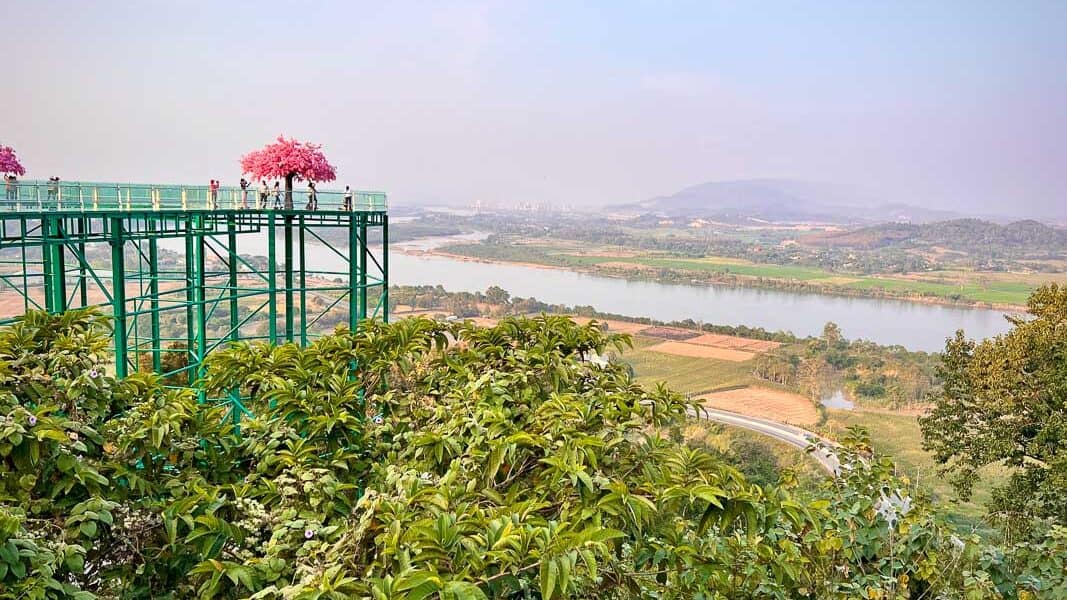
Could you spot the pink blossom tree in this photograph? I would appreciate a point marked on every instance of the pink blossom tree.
(9, 163)
(288, 159)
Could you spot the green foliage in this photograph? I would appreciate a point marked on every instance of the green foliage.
(871, 373)
(420, 460)
(173, 360)
(1003, 401)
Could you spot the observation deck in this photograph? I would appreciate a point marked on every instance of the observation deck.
(184, 270)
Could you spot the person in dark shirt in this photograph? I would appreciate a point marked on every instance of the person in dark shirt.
(264, 192)
(313, 197)
(213, 194)
(53, 188)
(10, 187)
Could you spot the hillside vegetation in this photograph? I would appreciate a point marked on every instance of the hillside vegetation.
(498, 466)
(1021, 239)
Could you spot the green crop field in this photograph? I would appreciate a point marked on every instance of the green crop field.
(683, 373)
(1002, 292)
(735, 267)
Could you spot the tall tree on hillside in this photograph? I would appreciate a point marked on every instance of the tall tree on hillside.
(9, 163)
(288, 159)
(1003, 401)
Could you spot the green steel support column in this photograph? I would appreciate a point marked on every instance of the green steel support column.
(46, 272)
(59, 249)
(25, 271)
(59, 266)
(118, 294)
(48, 265)
(362, 267)
(303, 290)
(153, 290)
(231, 243)
(201, 303)
(353, 275)
(231, 246)
(385, 268)
(290, 309)
(190, 298)
(272, 286)
(83, 281)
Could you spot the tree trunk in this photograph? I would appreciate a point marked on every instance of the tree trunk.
(289, 191)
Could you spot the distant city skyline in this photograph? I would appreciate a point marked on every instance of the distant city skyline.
(954, 105)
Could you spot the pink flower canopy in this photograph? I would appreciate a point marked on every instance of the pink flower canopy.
(288, 157)
(9, 163)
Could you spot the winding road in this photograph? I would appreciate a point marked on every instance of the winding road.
(794, 436)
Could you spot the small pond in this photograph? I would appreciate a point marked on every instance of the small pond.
(837, 399)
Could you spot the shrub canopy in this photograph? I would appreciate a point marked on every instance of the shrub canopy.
(420, 460)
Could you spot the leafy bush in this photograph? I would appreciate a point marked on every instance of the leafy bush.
(1004, 401)
(421, 460)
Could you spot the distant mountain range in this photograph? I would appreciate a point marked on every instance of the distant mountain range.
(782, 200)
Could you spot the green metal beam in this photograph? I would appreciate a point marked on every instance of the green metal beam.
(353, 277)
(303, 288)
(153, 282)
(231, 239)
(289, 306)
(362, 286)
(385, 269)
(118, 279)
(272, 282)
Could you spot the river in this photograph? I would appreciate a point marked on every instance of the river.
(913, 325)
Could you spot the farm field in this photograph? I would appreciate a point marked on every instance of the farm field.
(998, 292)
(995, 288)
(699, 351)
(899, 436)
(755, 401)
(685, 374)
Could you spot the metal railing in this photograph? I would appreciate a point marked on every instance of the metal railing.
(82, 196)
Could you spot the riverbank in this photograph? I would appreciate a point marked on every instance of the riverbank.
(637, 272)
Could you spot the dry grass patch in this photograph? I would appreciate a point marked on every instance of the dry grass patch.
(767, 403)
(733, 342)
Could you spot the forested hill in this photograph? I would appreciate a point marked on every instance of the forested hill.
(961, 235)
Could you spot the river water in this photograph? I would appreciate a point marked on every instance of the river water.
(913, 325)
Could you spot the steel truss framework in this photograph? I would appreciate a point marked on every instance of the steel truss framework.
(184, 279)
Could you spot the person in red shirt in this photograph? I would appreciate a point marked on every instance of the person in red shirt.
(213, 190)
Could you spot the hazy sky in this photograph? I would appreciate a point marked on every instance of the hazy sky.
(953, 104)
